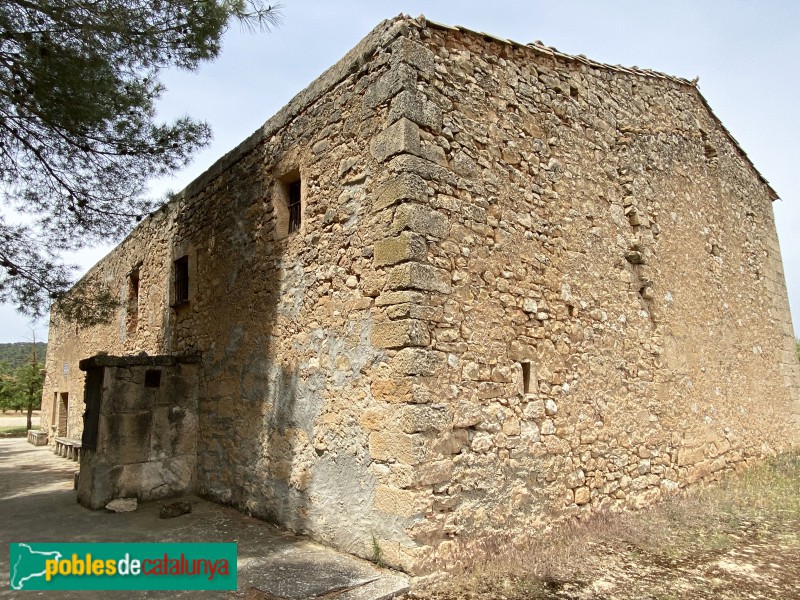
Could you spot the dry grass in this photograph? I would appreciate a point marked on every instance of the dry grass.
(762, 500)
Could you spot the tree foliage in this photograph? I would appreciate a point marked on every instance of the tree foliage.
(78, 135)
(18, 353)
(21, 388)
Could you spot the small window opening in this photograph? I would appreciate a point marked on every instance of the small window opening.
(152, 378)
(526, 377)
(287, 202)
(294, 205)
(182, 280)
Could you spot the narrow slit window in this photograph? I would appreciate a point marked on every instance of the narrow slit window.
(182, 280)
(295, 205)
(526, 377)
(135, 289)
(133, 300)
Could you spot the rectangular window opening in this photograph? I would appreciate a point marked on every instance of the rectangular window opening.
(526, 377)
(295, 205)
(152, 378)
(182, 280)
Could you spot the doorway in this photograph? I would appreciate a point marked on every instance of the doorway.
(63, 414)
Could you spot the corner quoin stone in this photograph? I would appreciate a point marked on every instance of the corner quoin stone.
(418, 276)
(399, 334)
(400, 138)
(414, 106)
(412, 53)
(406, 246)
(401, 77)
(464, 199)
(404, 187)
(395, 501)
(420, 219)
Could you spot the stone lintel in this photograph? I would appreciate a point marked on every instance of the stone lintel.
(161, 360)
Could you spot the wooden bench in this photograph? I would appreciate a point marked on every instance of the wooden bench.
(68, 448)
(37, 438)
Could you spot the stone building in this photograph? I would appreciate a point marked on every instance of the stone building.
(457, 288)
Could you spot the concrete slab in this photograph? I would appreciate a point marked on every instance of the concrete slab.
(37, 504)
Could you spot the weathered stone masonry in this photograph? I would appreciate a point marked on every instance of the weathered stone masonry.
(525, 286)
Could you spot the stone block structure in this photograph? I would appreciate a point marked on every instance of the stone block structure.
(461, 287)
(140, 428)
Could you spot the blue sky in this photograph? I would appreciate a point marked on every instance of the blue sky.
(745, 53)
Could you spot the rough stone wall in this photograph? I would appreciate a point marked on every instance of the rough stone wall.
(285, 325)
(147, 247)
(604, 229)
(470, 206)
(288, 327)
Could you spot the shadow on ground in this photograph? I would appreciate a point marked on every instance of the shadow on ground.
(37, 504)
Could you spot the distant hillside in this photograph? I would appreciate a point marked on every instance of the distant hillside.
(18, 353)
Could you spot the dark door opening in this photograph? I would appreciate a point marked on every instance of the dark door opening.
(92, 396)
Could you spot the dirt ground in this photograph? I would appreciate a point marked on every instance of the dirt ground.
(738, 541)
(764, 564)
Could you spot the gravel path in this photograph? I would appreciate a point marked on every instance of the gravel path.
(17, 419)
